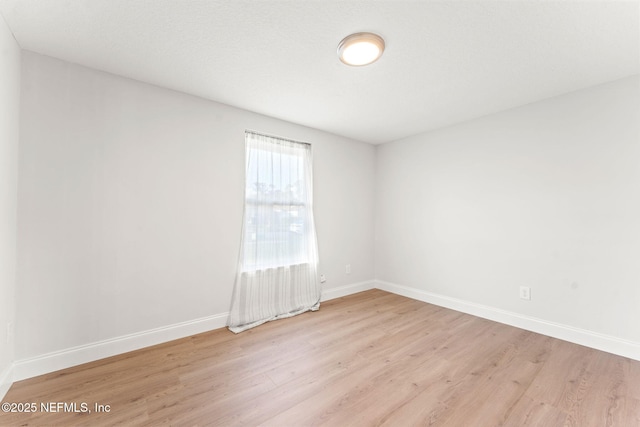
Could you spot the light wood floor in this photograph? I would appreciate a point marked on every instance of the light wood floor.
(371, 358)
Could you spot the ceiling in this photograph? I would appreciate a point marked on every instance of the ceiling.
(445, 61)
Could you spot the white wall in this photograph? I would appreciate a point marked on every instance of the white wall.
(130, 200)
(9, 127)
(130, 206)
(546, 196)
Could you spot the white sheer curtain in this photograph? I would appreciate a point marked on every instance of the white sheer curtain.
(277, 268)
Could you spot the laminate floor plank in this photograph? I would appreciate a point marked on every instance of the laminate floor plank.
(371, 358)
(529, 412)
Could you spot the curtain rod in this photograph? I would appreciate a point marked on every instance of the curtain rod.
(276, 137)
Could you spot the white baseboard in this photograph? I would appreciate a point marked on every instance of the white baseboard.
(342, 291)
(27, 368)
(43, 364)
(50, 362)
(584, 337)
(6, 379)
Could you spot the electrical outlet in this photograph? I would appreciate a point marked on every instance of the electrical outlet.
(525, 292)
(347, 269)
(322, 278)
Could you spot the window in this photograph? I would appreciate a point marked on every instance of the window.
(278, 222)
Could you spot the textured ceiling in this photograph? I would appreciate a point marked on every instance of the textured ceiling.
(445, 62)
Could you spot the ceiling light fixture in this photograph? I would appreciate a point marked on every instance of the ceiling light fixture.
(360, 49)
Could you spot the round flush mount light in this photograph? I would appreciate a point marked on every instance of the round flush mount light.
(360, 49)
